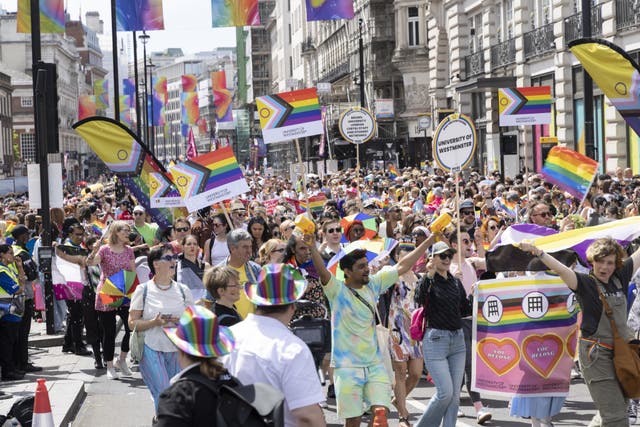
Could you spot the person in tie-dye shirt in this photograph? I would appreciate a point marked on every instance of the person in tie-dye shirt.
(360, 378)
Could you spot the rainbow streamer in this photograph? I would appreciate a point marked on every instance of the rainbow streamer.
(238, 13)
(139, 15)
(209, 178)
(86, 106)
(189, 83)
(190, 109)
(569, 170)
(319, 10)
(51, 16)
(101, 92)
(222, 97)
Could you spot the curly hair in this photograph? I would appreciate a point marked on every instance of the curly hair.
(604, 247)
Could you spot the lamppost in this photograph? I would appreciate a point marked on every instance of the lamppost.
(151, 66)
(144, 38)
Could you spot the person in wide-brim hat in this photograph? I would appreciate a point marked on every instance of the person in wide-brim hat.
(278, 284)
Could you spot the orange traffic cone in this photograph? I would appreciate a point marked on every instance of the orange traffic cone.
(380, 418)
(42, 416)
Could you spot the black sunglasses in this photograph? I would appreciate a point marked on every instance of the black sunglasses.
(467, 212)
(445, 256)
(182, 230)
(334, 230)
(168, 257)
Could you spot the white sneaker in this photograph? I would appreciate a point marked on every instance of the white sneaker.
(121, 364)
(112, 374)
(460, 413)
(483, 416)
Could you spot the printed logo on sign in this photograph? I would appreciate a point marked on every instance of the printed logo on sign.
(454, 143)
(357, 125)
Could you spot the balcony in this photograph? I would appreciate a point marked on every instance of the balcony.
(474, 64)
(573, 24)
(335, 73)
(539, 41)
(503, 54)
(627, 14)
(307, 46)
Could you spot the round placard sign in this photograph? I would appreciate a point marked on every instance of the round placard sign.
(454, 142)
(357, 125)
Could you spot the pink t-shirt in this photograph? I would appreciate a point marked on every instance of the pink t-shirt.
(110, 264)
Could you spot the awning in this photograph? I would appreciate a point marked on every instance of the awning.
(483, 84)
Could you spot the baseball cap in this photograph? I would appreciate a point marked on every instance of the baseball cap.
(440, 248)
(466, 204)
(138, 208)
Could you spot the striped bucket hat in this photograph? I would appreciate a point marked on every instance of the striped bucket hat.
(278, 284)
(199, 334)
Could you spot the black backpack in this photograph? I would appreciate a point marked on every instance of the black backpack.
(252, 405)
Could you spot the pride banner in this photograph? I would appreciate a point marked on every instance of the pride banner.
(51, 16)
(525, 106)
(318, 10)
(139, 15)
(222, 97)
(209, 178)
(86, 106)
(524, 336)
(290, 115)
(237, 13)
(101, 92)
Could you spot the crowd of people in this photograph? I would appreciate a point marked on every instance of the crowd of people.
(219, 289)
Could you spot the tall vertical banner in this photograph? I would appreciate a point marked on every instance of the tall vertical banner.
(524, 336)
(51, 16)
(129, 88)
(157, 101)
(101, 92)
(524, 106)
(222, 97)
(209, 178)
(237, 13)
(86, 106)
(190, 112)
(139, 15)
(125, 110)
(290, 115)
(319, 10)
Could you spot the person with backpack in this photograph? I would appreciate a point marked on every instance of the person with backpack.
(268, 352)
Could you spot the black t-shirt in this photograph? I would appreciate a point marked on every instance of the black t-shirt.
(227, 316)
(587, 295)
(446, 302)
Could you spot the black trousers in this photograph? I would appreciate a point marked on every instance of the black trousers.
(8, 342)
(108, 321)
(73, 335)
(90, 315)
(21, 350)
(467, 324)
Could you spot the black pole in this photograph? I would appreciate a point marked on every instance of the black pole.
(38, 78)
(589, 143)
(152, 129)
(146, 92)
(361, 55)
(135, 76)
(116, 74)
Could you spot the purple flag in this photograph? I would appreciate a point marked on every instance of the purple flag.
(319, 10)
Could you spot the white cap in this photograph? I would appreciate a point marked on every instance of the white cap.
(138, 208)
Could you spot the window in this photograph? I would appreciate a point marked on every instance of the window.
(414, 26)
(28, 147)
(505, 29)
(541, 13)
(475, 33)
(26, 101)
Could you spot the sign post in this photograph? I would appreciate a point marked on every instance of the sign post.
(357, 125)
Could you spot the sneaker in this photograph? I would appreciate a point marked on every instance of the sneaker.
(460, 413)
(112, 374)
(331, 392)
(121, 364)
(483, 416)
(632, 411)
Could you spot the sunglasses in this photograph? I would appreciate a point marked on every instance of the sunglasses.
(418, 234)
(138, 213)
(168, 258)
(493, 227)
(182, 230)
(445, 256)
(396, 210)
(467, 212)
(542, 214)
(334, 230)
(291, 227)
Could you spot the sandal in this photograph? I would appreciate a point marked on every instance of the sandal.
(403, 422)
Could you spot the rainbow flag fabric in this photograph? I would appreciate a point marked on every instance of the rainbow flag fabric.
(320, 10)
(237, 13)
(290, 115)
(51, 16)
(209, 178)
(101, 92)
(316, 203)
(139, 15)
(393, 172)
(570, 171)
(222, 97)
(525, 106)
(86, 106)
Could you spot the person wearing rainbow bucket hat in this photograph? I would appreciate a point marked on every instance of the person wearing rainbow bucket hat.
(200, 340)
(266, 351)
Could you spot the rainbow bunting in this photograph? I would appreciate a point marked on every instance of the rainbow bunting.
(393, 172)
(222, 97)
(525, 106)
(209, 178)
(101, 92)
(238, 13)
(318, 10)
(86, 106)
(569, 170)
(139, 15)
(290, 115)
(51, 16)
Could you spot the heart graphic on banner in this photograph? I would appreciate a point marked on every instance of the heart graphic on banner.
(572, 343)
(499, 355)
(542, 352)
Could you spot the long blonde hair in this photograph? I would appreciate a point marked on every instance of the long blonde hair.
(265, 250)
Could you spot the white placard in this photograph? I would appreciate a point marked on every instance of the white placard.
(357, 125)
(454, 143)
(55, 185)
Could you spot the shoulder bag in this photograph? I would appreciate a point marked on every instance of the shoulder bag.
(626, 357)
(136, 344)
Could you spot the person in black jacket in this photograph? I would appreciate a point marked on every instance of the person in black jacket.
(191, 400)
(445, 302)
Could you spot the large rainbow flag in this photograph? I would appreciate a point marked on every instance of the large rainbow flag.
(237, 13)
(86, 106)
(569, 170)
(139, 15)
(222, 97)
(290, 115)
(209, 178)
(51, 16)
(524, 336)
(524, 106)
(318, 10)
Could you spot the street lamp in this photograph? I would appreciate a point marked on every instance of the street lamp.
(144, 38)
(151, 66)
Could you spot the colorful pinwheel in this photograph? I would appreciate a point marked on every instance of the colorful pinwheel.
(376, 248)
(118, 289)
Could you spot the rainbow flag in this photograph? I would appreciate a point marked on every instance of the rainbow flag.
(101, 92)
(393, 172)
(209, 178)
(86, 106)
(139, 15)
(190, 109)
(290, 115)
(189, 83)
(237, 13)
(98, 227)
(51, 16)
(569, 170)
(316, 203)
(508, 207)
(222, 97)
(525, 106)
(318, 10)
(125, 109)
(129, 89)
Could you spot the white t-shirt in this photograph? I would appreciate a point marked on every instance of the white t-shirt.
(267, 351)
(219, 251)
(157, 301)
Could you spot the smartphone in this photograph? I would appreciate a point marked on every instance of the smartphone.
(166, 316)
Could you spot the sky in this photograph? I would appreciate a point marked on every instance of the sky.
(187, 23)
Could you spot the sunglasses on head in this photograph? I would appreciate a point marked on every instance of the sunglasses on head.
(168, 257)
(445, 256)
(334, 230)
(182, 230)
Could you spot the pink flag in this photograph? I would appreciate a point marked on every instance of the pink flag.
(192, 151)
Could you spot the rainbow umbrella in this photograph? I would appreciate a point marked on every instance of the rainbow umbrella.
(376, 248)
(369, 222)
(118, 289)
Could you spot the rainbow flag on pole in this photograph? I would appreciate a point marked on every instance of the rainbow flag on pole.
(525, 106)
(316, 203)
(209, 178)
(569, 170)
(393, 172)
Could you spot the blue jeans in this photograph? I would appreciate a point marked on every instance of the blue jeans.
(444, 355)
(157, 368)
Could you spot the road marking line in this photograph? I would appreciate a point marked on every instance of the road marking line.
(422, 407)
